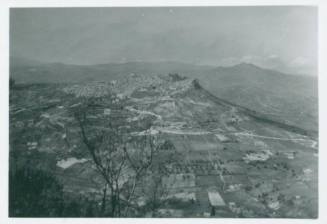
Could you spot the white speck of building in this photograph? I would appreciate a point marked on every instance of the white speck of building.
(215, 199)
(274, 205)
(120, 96)
(107, 111)
(222, 138)
(65, 163)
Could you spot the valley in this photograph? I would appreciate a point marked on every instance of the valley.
(214, 158)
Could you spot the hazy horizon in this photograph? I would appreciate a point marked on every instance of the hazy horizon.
(283, 38)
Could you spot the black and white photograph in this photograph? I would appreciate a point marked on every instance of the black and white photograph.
(163, 112)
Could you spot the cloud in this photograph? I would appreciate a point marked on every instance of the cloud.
(303, 65)
(299, 65)
(230, 61)
(300, 61)
(273, 56)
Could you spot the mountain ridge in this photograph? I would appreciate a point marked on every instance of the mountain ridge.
(291, 98)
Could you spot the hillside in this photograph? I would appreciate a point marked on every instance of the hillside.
(260, 167)
(292, 99)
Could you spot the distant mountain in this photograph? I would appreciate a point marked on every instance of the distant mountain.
(290, 98)
(65, 73)
(16, 62)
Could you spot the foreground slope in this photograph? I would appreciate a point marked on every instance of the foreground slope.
(260, 167)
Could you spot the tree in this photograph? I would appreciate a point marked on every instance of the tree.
(119, 157)
(34, 193)
(155, 190)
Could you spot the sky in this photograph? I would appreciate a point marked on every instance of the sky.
(278, 37)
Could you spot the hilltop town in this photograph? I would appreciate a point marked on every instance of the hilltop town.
(186, 152)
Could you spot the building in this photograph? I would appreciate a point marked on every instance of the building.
(216, 201)
(107, 111)
(222, 138)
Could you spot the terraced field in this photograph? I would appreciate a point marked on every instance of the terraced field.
(260, 167)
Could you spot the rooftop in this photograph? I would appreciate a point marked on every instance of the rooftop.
(215, 199)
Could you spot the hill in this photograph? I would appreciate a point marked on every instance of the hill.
(66, 73)
(293, 99)
(260, 167)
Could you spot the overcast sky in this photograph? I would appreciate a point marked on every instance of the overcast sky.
(283, 38)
